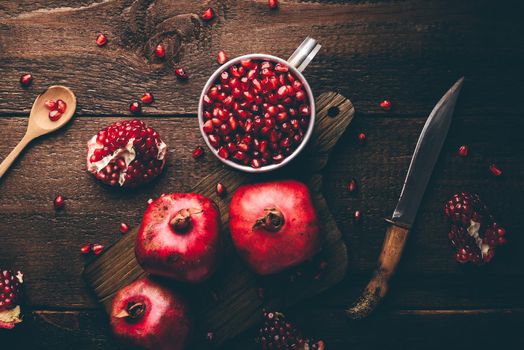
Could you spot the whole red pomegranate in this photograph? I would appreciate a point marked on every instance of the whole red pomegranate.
(180, 237)
(127, 153)
(274, 225)
(147, 314)
(474, 231)
(10, 295)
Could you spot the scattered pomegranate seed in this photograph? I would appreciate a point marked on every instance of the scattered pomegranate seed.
(352, 185)
(26, 80)
(124, 228)
(361, 138)
(97, 248)
(86, 249)
(221, 189)
(50, 104)
(357, 216)
(198, 152)
(147, 98)
(273, 4)
(463, 151)
(101, 39)
(54, 115)
(61, 106)
(180, 73)
(222, 57)
(208, 14)
(58, 202)
(150, 200)
(135, 107)
(385, 105)
(495, 170)
(160, 51)
(210, 336)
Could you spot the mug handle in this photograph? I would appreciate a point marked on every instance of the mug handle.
(304, 54)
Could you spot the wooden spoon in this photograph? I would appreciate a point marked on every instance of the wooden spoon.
(39, 123)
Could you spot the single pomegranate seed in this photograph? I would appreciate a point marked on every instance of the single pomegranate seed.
(147, 98)
(222, 57)
(273, 4)
(357, 216)
(86, 249)
(180, 73)
(150, 200)
(495, 170)
(135, 107)
(210, 336)
(208, 14)
(463, 151)
(58, 202)
(124, 228)
(101, 39)
(362, 138)
(385, 105)
(352, 185)
(50, 104)
(221, 189)
(26, 80)
(54, 115)
(97, 248)
(160, 51)
(61, 106)
(198, 152)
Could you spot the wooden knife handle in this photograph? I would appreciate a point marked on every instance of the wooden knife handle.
(378, 286)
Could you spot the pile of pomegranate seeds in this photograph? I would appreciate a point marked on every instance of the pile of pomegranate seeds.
(101, 39)
(385, 105)
(222, 57)
(256, 113)
(56, 109)
(127, 153)
(474, 231)
(208, 14)
(26, 80)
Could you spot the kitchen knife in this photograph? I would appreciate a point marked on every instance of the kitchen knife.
(424, 158)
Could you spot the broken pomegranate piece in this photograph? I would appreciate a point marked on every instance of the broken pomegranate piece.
(10, 295)
(127, 153)
(474, 232)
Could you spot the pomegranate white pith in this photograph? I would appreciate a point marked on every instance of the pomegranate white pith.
(126, 153)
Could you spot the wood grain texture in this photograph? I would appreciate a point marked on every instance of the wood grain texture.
(234, 303)
(409, 51)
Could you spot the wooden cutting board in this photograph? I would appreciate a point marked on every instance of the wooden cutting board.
(232, 300)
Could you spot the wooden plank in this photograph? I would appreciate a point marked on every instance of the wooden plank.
(237, 304)
(409, 51)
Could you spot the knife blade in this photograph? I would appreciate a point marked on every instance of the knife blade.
(419, 172)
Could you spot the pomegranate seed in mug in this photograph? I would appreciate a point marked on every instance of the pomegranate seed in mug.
(256, 113)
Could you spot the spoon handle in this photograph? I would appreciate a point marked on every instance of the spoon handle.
(14, 153)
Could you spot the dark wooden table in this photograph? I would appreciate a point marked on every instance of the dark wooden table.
(407, 51)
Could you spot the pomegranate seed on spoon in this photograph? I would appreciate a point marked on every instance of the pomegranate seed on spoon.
(160, 51)
(50, 104)
(101, 39)
(181, 74)
(26, 80)
(463, 151)
(86, 249)
(208, 14)
(54, 115)
(385, 105)
(58, 202)
(61, 106)
(222, 57)
(147, 98)
(198, 152)
(97, 248)
(135, 107)
(124, 228)
(273, 4)
(495, 170)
